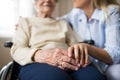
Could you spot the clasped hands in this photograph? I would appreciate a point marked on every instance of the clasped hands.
(72, 59)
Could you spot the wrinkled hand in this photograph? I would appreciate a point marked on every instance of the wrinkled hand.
(56, 57)
(80, 53)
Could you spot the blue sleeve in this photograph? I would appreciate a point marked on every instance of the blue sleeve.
(112, 33)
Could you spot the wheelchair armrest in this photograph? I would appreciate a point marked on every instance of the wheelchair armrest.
(8, 44)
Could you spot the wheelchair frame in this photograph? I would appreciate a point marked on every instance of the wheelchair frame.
(11, 70)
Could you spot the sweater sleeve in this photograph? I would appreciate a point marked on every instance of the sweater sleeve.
(21, 51)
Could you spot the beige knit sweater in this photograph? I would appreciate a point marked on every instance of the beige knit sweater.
(39, 33)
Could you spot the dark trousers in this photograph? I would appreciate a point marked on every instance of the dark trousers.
(38, 71)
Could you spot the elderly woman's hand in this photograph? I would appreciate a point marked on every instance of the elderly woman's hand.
(80, 53)
(56, 57)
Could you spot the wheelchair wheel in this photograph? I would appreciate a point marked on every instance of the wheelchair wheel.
(5, 72)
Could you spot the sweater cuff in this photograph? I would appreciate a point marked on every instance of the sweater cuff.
(28, 57)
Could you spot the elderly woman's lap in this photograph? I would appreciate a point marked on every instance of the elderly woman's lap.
(37, 71)
(88, 73)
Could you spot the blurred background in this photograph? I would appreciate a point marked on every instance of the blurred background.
(10, 12)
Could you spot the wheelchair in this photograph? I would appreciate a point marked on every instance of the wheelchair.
(11, 70)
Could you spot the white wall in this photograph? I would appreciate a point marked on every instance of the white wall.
(25, 8)
(63, 6)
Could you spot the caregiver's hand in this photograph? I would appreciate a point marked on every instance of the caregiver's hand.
(56, 57)
(80, 53)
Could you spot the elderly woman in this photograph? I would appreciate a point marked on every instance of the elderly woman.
(40, 47)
